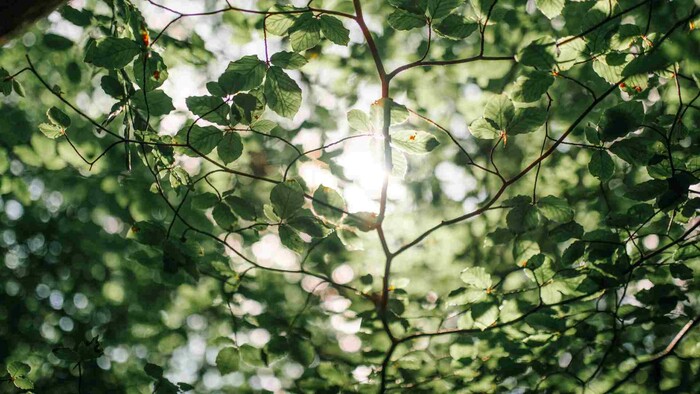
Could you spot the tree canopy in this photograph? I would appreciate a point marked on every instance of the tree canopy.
(437, 196)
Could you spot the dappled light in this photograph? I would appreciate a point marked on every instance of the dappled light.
(430, 196)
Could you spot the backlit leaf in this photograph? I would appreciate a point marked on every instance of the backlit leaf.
(328, 203)
(112, 53)
(305, 33)
(333, 29)
(414, 141)
(404, 20)
(287, 198)
(601, 165)
(282, 92)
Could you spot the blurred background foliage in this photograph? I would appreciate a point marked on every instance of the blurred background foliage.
(79, 265)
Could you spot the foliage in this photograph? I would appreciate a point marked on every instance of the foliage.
(352, 196)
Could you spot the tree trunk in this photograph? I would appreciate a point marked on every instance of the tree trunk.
(14, 14)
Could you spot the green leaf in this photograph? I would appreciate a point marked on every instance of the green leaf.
(23, 383)
(441, 8)
(414, 6)
(279, 24)
(415, 142)
(204, 139)
(66, 354)
(147, 233)
(204, 200)
(324, 199)
(545, 320)
(58, 117)
(550, 8)
(634, 216)
(527, 120)
(302, 352)
(263, 126)
(178, 177)
(359, 120)
(181, 255)
(520, 199)
(77, 17)
(230, 147)
(18, 374)
(619, 58)
(646, 64)
(305, 33)
(172, 258)
(16, 369)
(523, 218)
(159, 103)
(246, 108)
(155, 73)
(500, 110)
(251, 356)
(397, 113)
(592, 135)
(291, 239)
(566, 232)
(5, 83)
(56, 42)
(227, 360)
(215, 89)
(532, 86)
(363, 221)
(476, 277)
(455, 27)
(484, 129)
(333, 29)
(309, 225)
(245, 73)
(112, 53)
(538, 54)
(270, 214)
(602, 243)
(485, 313)
(112, 86)
(635, 151)
(612, 73)
(154, 371)
(681, 271)
(210, 108)
(223, 216)
(350, 239)
(404, 20)
(89, 350)
(601, 165)
(18, 88)
(621, 120)
(499, 236)
(555, 209)
(459, 351)
(287, 198)
(625, 37)
(648, 190)
(282, 93)
(535, 261)
(688, 252)
(242, 208)
(51, 130)
(288, 60)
